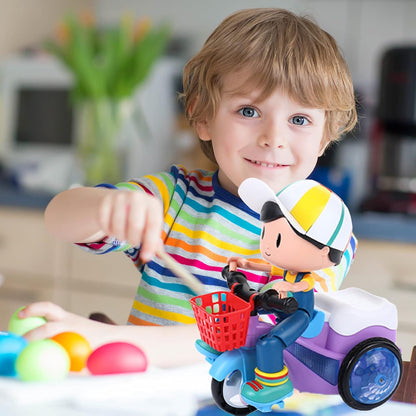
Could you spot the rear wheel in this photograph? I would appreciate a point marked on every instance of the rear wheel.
(370, 373)
(226, 394)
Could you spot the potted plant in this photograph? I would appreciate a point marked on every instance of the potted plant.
(107, 65)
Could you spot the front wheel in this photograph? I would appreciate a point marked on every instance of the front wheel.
(226, 394)
(370, 373)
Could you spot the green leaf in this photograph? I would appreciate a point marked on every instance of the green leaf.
(146, 52)
(108, 63)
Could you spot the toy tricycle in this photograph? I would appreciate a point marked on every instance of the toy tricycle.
(347, 349)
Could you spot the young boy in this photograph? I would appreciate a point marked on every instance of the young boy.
(267, 93)
(306, 227)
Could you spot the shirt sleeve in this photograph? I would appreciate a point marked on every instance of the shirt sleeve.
(160, 185)
(107, 245)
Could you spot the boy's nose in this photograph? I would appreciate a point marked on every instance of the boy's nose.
(272, 136)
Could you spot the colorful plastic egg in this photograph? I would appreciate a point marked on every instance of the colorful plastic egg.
(11, 345)
(43, 360)
(20, 326)
(77, 347)
(115, 358)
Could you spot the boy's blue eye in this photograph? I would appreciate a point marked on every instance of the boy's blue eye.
(299, 120)
(248, 112)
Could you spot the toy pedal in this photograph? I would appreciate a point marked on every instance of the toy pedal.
(210, 353)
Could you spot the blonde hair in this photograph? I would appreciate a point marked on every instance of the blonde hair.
(279, 50)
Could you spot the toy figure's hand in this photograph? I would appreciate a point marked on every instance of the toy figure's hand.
(236, 261)
(134, 217)
(282, 287)
(270, 301)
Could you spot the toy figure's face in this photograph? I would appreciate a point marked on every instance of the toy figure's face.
(276, 140)
(281, 246)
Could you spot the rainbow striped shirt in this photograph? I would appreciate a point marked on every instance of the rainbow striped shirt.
(203, 225)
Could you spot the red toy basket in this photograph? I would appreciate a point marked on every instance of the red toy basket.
(222, 319)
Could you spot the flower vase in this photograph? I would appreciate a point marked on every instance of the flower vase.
(99, 147)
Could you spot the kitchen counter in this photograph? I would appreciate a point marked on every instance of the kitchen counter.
(371, 225)
(381, 226)
(10, 195)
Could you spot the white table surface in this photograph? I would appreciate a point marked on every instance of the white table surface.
(156, 392)
(177, 392)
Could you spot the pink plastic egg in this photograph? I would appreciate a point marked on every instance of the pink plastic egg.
(115, 358)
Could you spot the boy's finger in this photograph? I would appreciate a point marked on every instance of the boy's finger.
(119, 216)
(48, 310)
(104, 215)
(135, 222)
(45, 331)
(151, 233)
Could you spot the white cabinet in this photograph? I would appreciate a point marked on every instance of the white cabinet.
(101, 283)
(35, 266)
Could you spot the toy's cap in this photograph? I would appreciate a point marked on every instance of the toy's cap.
(311, 209)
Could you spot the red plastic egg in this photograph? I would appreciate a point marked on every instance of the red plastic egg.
(116, 358)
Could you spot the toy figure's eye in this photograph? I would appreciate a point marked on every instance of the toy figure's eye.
(279, 240)
(262, 233)
(248, 112)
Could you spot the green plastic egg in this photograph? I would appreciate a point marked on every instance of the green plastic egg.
(21, 326)
(43, 360)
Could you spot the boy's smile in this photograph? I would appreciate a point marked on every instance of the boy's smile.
(266, 164)
(276, 140)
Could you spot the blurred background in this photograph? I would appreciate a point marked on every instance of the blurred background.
(373, 169)
(375, 165)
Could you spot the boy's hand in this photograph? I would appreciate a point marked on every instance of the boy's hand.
(135, 217)
(59, 320)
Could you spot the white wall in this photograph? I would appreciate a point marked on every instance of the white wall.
(27, 23)
(362, 28)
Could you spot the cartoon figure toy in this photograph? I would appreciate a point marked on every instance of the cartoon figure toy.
(306, 227)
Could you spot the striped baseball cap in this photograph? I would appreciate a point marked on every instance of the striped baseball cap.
(311, 209)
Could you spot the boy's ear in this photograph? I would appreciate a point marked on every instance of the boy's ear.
(324, 145)
(203, 131)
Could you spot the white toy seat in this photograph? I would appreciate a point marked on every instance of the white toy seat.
(350, 310)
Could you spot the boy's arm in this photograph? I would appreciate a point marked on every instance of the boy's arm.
(84, 215)
(72, 215)
(153, 340)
